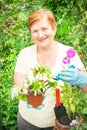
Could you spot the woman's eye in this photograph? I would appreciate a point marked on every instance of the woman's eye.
(34, 31)
(44, 29)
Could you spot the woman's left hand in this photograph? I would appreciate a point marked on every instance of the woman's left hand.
(73, 76)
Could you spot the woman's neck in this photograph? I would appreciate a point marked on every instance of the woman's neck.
(47, 56)
(47, 49)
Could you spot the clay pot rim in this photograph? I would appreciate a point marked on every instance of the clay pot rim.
(61, 125)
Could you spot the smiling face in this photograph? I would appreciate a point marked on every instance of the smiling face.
(42, 32)
(42, 26)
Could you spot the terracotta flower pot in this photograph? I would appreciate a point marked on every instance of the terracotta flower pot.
(35, 100)
(60, 126)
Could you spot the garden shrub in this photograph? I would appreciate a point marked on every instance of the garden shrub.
(71, 19)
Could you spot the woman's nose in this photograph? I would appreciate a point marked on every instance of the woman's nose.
(40, 34)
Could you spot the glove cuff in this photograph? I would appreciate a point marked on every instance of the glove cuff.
(83, 81)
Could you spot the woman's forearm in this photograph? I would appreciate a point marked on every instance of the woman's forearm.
(19, 79)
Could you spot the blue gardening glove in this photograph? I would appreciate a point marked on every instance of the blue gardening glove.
(74, 77)
(57, 76)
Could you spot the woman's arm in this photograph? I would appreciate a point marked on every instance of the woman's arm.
(19, 79)
(18, 84)
(84, 89)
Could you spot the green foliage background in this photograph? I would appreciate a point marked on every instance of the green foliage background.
(71, 17)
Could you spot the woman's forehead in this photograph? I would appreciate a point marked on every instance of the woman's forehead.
(44, 22)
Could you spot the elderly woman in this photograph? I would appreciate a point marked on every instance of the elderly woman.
(45, 52)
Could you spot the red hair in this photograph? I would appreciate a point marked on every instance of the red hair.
(38, 15)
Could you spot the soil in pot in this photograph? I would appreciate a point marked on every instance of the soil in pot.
(60, 126)
(64, 123)
(35, 100)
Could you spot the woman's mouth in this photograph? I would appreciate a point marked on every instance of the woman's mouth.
(42, 39)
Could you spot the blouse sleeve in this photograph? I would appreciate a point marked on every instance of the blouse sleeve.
(21, 64)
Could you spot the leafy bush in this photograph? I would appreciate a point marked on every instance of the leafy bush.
(71, 18)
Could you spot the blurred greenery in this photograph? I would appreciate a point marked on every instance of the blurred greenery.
(71, 17)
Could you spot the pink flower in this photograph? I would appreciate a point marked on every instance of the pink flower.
(71, 53)
(66, 60)
(78, 69)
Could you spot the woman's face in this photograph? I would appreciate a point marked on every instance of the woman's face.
(42, 33)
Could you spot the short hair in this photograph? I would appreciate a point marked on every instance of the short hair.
(38, 15)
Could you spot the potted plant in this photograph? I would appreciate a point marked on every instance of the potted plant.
(71, 99)
(34, 89)
(42, 80)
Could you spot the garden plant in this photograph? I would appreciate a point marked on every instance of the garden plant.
(71, 17)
